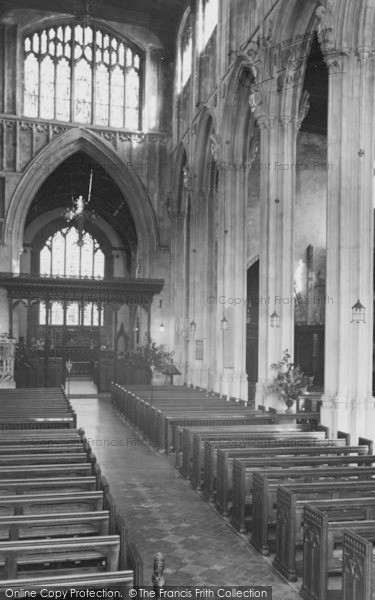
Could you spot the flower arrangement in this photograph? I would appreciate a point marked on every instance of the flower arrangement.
(149, 356)
(290, 382)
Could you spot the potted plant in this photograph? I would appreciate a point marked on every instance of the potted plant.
(289, 382)
(150, 358)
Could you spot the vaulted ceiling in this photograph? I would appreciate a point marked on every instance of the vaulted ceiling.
(161, 17)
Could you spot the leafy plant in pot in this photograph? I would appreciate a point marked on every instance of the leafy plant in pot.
(289, 382)
(150, 358)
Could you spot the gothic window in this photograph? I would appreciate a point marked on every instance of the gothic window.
(82, 74)
(186, 55)
(65, 255)
(210, 19)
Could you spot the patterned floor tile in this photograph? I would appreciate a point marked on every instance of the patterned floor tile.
(163, 513)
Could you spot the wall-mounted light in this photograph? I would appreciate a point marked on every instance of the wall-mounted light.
(358, 313)
(193, 326)
(224, 324)
(161, 328)
(275, 319)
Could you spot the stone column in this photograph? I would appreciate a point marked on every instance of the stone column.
(276, 281)
(348, 404)
(236, 277)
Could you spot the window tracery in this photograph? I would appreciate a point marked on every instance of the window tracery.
(82, 74)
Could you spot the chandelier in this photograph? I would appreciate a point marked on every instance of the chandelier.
(80, 213)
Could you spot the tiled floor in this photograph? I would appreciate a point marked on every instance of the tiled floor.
(164, 514)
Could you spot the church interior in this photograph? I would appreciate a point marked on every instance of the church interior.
(186, 298)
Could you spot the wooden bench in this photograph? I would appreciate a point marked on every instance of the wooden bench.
(32, 485)
(322, 552)
(57, 517)
(290, 505)
(56, 422)
(37, 471)
(211, 447)
(156, 418)
(193, 441)
(358, 567)
(48, 525)
(43, 459)
(41, 436)
(72, 552)
(116, 582)
(281, 457)
(165, 436)
(19, 449)
(63, 502)
(324, 466)
(321, 483)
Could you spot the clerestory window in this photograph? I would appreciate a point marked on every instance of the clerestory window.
(82, 74)
(210, 19)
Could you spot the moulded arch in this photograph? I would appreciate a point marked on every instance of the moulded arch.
(80, 139)
(237, 121)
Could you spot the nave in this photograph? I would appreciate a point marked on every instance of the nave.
(163, 514)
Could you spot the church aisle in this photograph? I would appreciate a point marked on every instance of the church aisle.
(164, 514)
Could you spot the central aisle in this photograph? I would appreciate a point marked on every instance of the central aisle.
(163, 514)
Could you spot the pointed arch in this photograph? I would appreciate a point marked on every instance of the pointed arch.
(80, 139)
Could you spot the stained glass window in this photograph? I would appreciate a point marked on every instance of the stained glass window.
(82, 74)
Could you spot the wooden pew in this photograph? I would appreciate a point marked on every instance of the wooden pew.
(56, 422)
(19, 449)
(48, 525)
(163, 405)
(116, 582)
(43, 459)
(290, 505)
(77, 552)
(193, 441)
(322, 552)
(329, 467)
(204, 461)
(168, 423)
(33, 485)
(37, 471)
(62, 502)
(228, 462)
(211, 448)
(165, 434)
(53, 520)
(358, 567)
(41, 436)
